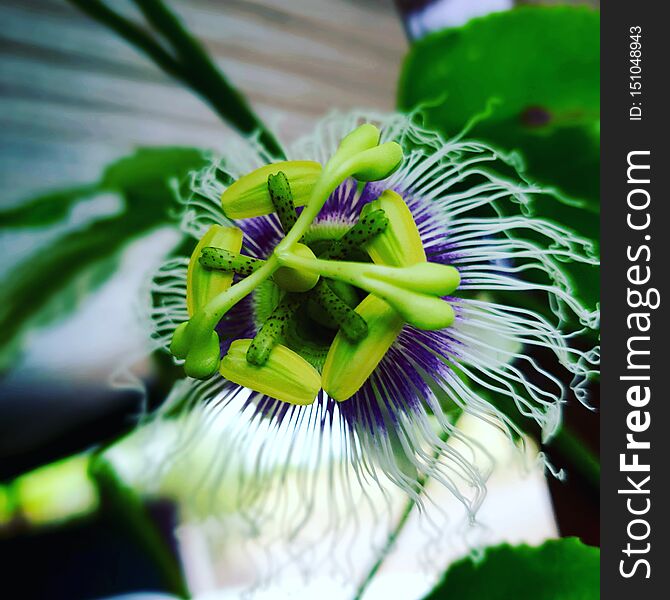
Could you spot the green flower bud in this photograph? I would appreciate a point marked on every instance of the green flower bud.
(249, 197)
(285, 375)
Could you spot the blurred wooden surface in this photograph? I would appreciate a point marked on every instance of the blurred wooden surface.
(74, 97)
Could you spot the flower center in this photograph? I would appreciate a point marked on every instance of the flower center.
(311, 329)
(338, 302)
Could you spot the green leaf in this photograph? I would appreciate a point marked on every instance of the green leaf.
(45, 209)
(51, 282)
(538, 70)
(525, 64)
(562, 569)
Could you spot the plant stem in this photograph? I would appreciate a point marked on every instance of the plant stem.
(191, 65)
(394, 534)
(226, 100)
(133, 34)
(139, 524)
(388, 547)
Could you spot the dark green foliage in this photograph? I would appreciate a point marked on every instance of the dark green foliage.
(537, 68)
(562, 569)
(50, 283)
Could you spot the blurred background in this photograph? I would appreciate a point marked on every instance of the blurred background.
(75, 99)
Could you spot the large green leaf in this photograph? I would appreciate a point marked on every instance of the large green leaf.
(538, 70)
(562, 569)
(46, 209)
(50, 282)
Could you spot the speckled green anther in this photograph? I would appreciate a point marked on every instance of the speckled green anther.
(368, 226)
(272, 330)
(351, 324)
(224, 260)
(282, 199)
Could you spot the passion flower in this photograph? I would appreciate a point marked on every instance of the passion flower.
(369, 288)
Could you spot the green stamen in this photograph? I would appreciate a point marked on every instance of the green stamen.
(348, 365)
(364, 137)
(350, 323)
(272, 330)
(224, 260)
(285, 376)
(282, 200)
(359, 157)
(201, 284)
(368, 226)
(368, 165)
(248, 196)
(400, 244)
(194, 340)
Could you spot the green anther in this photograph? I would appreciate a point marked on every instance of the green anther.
(224, 260)
(400, 244)
(202, 285)
(349, 364)
(248, 196)
(272, 330)
(368, 226)
(350, 323)
(285, 376)
(282, 199)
